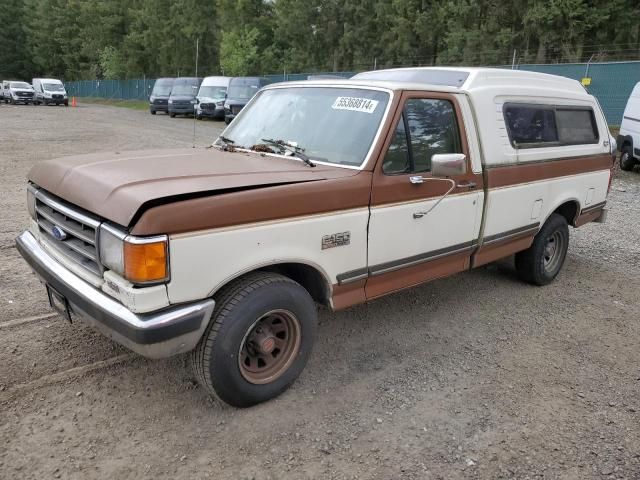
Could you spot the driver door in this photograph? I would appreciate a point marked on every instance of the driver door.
(421, 227)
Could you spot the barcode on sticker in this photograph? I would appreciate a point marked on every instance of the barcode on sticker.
(355, 104)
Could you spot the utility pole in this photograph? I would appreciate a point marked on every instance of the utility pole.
(513, 62)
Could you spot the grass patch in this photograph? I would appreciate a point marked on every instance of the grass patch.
(133, 104)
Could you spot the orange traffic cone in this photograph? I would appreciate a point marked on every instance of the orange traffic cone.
(73, 102)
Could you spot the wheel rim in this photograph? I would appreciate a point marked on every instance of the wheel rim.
(553, 252)
(269, 347)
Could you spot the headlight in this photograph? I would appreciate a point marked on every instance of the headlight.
(31, 201)
(141, 260)
(170, 101)
(219, 104)
(194, 101)
(227, 106)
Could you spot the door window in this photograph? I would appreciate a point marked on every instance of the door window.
(426, 127)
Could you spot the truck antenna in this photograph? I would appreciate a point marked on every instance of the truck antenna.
(194, 105)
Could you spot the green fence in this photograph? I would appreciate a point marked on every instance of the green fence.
(611, 83)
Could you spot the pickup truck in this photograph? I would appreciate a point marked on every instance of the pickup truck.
(330, 192)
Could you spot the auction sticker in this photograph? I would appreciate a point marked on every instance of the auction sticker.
(355, 104)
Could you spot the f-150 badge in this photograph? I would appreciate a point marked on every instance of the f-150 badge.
(336, 240)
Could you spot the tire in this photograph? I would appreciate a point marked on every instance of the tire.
(12, 101)
(247, 325)
(153, 112)
(627, 162)
(172, 115)
(199, 117)
(543, 260)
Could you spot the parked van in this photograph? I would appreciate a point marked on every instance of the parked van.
(319, 192)
(159, 98)
(211, 96)
(629, 137)
(182, 100)
(49, 91)
(4, 86)
(240, 91)
(18, 92)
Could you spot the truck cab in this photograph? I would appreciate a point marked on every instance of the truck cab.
(327, 192)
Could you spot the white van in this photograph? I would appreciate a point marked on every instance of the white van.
(211, 97)
(50, 91)
(629, 136)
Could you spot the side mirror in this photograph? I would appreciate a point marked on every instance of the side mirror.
(448, 164)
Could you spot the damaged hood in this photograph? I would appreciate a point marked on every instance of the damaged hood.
(117, 185)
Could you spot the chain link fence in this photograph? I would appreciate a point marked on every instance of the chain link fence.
(611, 83)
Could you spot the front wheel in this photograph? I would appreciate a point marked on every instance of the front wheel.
(627, 161)
(172, 115)
(542, 261)
(258, 340)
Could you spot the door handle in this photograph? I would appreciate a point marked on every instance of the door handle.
(416, 179)
(467, 184)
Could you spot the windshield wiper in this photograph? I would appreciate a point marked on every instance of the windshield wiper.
(297, 151)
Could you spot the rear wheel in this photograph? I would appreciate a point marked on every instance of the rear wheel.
(258, 340)
(543, 260)
(627, 162)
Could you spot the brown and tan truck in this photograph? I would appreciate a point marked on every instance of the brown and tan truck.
(330, 192)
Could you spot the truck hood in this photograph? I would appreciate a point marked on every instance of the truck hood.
(118, 185)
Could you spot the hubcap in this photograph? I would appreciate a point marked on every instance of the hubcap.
(269, 347)
(553, 251)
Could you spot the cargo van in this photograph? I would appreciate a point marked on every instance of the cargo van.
(629, 137)
(49, 91)
(211, 96)
(182, 100)
(240, 91)
(159, 98)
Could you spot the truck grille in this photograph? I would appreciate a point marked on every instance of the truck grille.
(235, 109)
(71, 232)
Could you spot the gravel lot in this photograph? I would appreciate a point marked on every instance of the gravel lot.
(476, 376)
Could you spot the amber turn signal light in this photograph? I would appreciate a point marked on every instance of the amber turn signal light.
(145, 262)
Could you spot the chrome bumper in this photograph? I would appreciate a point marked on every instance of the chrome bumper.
(154, 335)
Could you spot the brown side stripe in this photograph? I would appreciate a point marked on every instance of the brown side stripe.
(592, 208)
(507, 175)
(516, 232)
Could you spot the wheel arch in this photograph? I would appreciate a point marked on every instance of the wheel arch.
(624, 140)
(569, 208)
(312, 278)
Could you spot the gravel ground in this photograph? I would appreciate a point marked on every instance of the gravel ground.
(475, 376)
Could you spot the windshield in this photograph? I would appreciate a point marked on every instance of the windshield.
(162, 87)
(20, 85)
(185, 87)
(53, 87)
(242, 91)
(212, 91)
(334, 125)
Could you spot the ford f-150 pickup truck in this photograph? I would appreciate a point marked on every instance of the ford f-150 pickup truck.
(330, 192)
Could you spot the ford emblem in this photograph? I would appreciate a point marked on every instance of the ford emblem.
(58, 233)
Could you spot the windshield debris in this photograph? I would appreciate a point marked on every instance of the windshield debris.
(292, 148)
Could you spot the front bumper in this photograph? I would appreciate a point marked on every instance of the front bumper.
(158, 334)
(218, 112)
(158, 107)
(182, 109)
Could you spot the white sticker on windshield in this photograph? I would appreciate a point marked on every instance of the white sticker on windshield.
(355, 104)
